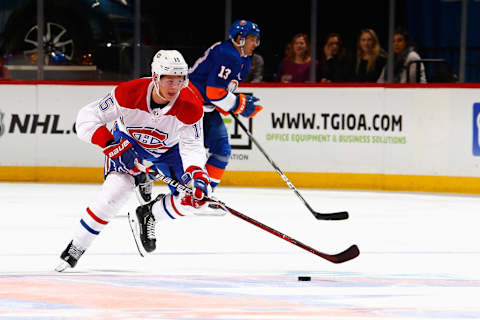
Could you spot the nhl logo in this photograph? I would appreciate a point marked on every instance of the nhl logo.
(2, 127)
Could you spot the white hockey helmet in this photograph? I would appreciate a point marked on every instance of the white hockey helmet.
(169, 62)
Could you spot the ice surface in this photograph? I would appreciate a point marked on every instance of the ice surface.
(420, 258)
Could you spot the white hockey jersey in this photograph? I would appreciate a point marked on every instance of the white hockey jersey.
(153, 131)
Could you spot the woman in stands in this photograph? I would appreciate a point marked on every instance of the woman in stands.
(404, 70)
(371, 58)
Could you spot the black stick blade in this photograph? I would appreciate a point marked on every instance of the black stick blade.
(331, 216)
(344, 256)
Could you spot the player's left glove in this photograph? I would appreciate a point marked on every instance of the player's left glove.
(197, 179)
(245, 106)
(122, 155)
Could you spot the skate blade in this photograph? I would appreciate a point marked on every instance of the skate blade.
(212, 209)
(132, 220)
(62, 266)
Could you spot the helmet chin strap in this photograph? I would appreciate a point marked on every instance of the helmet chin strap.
(240, 45)
(157, 90)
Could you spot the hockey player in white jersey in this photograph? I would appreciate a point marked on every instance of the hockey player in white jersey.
(158, 119)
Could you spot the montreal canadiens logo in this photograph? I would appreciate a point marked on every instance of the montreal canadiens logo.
(149, 138)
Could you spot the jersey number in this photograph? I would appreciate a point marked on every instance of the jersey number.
(224, 72)
(106, 103)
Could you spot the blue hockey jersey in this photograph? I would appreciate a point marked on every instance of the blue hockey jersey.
(216, 75)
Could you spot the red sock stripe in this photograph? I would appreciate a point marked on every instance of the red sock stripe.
(94, 217)
(175, 208)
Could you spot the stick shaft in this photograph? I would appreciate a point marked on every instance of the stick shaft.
(334, 216)
(274, 165)
(346, 255)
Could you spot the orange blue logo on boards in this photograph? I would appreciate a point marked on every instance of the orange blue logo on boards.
(476, 129)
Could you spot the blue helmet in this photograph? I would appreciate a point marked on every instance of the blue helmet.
(244, 28)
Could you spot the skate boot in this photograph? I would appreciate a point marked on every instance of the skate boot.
(144, 188)
(69, 257)
(142, 223)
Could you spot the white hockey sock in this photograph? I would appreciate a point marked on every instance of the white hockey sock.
(90, 227)
(167, 208)
(109, 201)
(171, 208)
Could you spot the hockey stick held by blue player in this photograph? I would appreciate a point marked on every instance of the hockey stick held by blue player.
(342, 215)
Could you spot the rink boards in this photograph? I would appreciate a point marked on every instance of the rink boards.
(417, 138)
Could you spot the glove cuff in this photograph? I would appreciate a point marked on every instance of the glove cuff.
(241, 103)
(101, 137)
(115, 150)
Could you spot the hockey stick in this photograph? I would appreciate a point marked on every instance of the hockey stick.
(342, 215)
(349, 254)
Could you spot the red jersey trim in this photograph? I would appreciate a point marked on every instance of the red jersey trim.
(187, 108)
(127, 94)
(196, 91)
(101, 136)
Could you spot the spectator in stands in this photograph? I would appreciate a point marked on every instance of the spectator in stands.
(256, 70)
(4, 72)
(335, 64)
(295, 67)
(371, 58)
(404, 54)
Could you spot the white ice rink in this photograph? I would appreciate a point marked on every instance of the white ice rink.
(420, 258)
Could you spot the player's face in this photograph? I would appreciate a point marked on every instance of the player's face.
(170, 85)
(251, 43)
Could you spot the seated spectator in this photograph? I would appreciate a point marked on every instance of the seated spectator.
(335, 64)
(256, 70)
(4, 72)
(370, 57)
(404, 53)
(295, 67)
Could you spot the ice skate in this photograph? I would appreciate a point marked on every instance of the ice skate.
(69, 257)
(144, 188)
(142, 223)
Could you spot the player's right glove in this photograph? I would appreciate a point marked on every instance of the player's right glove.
(198, 180)
(245, 106)
(122, 155)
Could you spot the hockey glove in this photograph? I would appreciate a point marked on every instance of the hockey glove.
(122, 155)
(245, 106)
(197, 179)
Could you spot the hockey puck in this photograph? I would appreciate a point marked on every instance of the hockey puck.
(304, 278)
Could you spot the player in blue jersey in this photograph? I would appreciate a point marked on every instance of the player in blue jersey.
(214, 77)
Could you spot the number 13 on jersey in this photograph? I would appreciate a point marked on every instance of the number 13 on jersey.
(224, 72)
